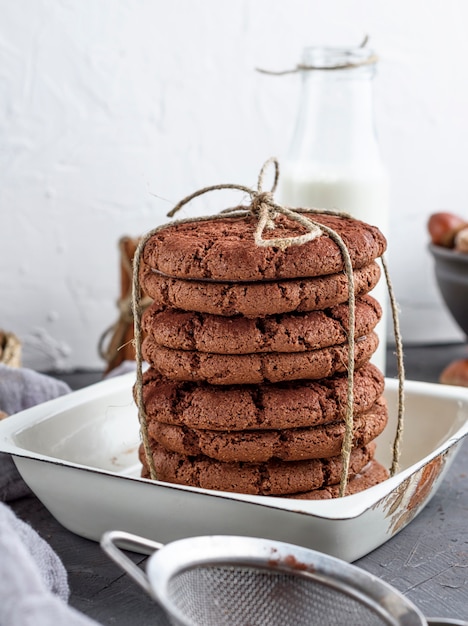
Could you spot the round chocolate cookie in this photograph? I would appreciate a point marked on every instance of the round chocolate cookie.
(258, 446)
(257, 299)
(270, 478)
(372, 474)
(301, 332)
(224, 249)
(294, 404)
(234, 369)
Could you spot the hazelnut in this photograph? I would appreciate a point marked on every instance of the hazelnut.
(461, 240)
(456, 373)
(443, 228)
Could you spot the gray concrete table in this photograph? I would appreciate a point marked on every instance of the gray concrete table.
(427, 561)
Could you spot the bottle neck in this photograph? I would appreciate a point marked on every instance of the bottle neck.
(335, 121)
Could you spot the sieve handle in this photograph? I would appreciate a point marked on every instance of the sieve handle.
(110, 542)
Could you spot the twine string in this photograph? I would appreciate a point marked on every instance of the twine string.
(347, 444)
(263, 207)
(306, 67)
(401, 369)
(348, 65)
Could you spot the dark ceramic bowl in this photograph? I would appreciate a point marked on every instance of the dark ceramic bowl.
(451, 272)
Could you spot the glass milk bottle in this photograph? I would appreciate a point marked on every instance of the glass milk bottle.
(334, 160)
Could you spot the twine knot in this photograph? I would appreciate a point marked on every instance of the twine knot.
(259, 199)
(263, 204)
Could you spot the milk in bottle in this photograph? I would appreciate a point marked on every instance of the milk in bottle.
(334, 160)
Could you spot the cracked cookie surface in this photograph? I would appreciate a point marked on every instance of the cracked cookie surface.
(247, 369)
(299, 332)
(292, 404)
(257, 446)
(372, 474)
(269, 478)
(224, 249)
(256, 299)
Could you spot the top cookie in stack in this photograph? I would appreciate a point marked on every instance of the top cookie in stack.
(248, 352)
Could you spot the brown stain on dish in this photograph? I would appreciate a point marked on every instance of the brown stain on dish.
(407, 499)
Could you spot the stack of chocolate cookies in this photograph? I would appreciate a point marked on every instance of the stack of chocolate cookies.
(247, 348)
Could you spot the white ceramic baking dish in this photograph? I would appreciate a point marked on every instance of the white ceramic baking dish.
(78, 454)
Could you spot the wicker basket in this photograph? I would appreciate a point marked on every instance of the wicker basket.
(10, 349)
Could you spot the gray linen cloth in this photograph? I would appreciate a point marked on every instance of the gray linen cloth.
(22, 388)
(33, 581)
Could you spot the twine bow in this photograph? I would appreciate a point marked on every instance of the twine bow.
(263, 207)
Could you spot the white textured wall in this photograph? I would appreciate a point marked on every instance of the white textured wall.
(112, 110)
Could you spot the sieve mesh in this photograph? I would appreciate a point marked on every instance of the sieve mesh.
(254, 596)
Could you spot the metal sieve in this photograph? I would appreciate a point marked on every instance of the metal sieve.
(244, 581)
